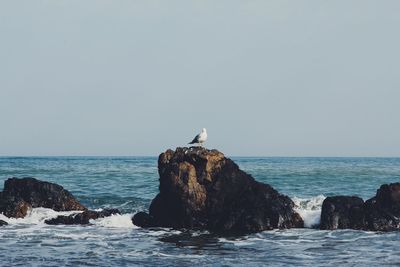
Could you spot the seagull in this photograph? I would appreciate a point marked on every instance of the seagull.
(200, 138)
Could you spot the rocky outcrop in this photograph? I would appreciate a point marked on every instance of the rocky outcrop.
(2, 223)
(380, 213)
(82, 218)
(20, 195)
(342, 212)
(203, 189)
(41, 194)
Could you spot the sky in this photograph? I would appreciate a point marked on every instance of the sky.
(266, 78)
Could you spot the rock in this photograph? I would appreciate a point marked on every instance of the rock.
(342, 212)
(82, 218)
(202, 189)
(143, 219)
(382, 212)
(41, 194)
(13, 207)
(20, 195)
(2, 223)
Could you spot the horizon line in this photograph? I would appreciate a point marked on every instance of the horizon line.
(156, 156)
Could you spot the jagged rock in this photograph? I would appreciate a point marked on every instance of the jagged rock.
(19, 195)
(82, 218)
(2, 223)
(382, 212)
(203, 189)
(342, 212)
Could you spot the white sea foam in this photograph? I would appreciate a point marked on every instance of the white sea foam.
(115, 221)
(237, 242)
(37, 216)
(309, 209)
(75, 236)
(191, 256)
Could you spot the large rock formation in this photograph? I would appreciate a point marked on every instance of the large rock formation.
(19, 195)
(380, 213)
(201, 188)
(2, 223)
(342, 212)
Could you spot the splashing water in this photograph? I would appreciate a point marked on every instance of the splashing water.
(37, 216)
(115, 221)
(309, 209)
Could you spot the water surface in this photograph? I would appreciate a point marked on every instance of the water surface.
(130, 183)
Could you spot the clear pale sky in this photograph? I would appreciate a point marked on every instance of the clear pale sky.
(266, 78)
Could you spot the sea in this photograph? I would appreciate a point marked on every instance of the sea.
(130, 183)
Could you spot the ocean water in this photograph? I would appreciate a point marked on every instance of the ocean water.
(130, 183)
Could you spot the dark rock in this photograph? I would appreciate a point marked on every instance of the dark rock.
(12, 206)
(143, 219)
(40, 194)
(342, 212)
(202, 189)
(82, 218)
(2, 223)
(382, 212)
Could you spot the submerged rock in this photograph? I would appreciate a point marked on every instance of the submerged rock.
(19, 195)
(203, 189)
(2, 223)
(342, 212)
(82, 218)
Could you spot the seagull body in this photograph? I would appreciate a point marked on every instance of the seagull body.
(200, 138)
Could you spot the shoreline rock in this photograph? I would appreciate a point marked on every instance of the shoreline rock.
(380, 213)
(202, 189)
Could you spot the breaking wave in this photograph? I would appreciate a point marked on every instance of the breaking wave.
(37, 216)
(309, 209)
